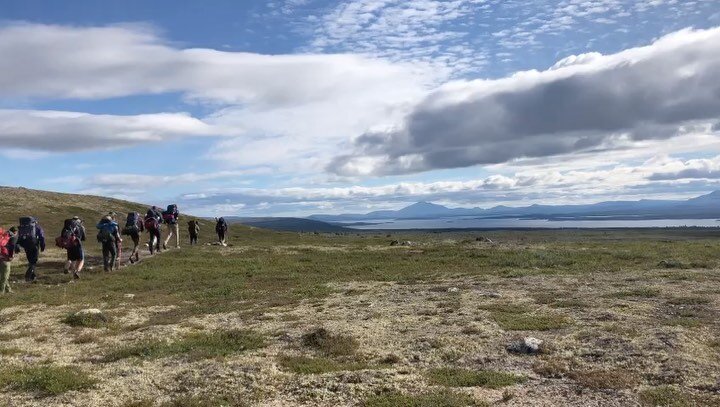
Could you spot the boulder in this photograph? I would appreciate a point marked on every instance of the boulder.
(527, 346)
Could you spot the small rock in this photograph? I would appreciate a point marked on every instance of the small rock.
(407, 243)
(528, 346)
(129, 296)
(394, 243)
(453, 289)
(483, 239)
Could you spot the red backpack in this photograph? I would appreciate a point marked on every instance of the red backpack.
(6, 253)
(152, 224)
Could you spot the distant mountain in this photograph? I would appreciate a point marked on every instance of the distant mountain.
(289, 224)
(701, 207)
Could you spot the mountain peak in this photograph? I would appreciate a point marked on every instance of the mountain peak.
(712, 196)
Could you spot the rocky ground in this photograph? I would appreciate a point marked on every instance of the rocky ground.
(634, 332)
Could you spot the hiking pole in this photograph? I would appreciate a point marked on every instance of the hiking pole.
(119, 259)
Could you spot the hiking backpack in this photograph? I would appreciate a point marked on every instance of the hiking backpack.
(221, 225)
(170, 215)
(151, 223)
(105, 233)
(6, 253)
(132, 224)
(69, 236)
(27, 230)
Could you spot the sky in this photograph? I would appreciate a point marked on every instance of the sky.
(299, 107)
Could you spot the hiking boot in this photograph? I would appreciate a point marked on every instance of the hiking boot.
(132, 261)
(164, 246)
(76, 276)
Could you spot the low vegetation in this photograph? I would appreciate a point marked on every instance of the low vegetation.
(45, 380)
(193, 346)
(454, 377)
(442, 398)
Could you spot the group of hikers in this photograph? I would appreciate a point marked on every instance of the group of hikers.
(29, 237)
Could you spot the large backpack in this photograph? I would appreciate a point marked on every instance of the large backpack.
(69, 236)
(221, 225)
(151, 223)
(6, 253)
(105, 234)
(27, 232)
(170, 215)
(132, 224)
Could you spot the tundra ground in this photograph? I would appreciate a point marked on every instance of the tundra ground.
(283, 319)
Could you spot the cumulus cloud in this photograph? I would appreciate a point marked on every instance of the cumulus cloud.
(706, 168)
(58, 131)
(49, 61)
(659, 91)
(290, 108)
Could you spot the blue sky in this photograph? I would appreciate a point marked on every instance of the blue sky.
(297, 107)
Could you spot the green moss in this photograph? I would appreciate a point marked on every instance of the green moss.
(529, 322)
(442, 398)
(45, 380)
(309, 365)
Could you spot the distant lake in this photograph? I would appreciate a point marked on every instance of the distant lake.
(481, 223)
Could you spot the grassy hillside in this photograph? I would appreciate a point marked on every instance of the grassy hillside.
(52, 208)
(283, 319)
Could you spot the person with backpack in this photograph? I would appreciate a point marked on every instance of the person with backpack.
(71, 238)
(8, 242)
(194, 231)
(152, 222)
(31, 238)
(109, 236)
(221, 228)
(170, 218)
(134, 226)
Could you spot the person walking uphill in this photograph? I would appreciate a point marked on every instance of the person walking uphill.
(109, 236)
(133, 227)
(170, 218)
(194, 231)
(71, 238)
(153, 220)
(8, 241)
(31, 238)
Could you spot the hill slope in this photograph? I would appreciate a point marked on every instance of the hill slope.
(51, 208)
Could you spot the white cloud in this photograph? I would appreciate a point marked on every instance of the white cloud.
(53, 131)
(282, 108)
(593, 103)
(49, 61)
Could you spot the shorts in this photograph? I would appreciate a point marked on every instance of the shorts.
(76, 253)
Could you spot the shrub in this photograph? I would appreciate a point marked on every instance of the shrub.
(45, 380)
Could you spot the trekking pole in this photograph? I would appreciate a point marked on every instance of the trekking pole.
(119, 259)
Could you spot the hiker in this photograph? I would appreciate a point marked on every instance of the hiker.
(194, 231)
(8, 242)
(109, 236)
(71, 238)
(31, 238)
(170, 218)
(153, 220)
(221, 228)
(133, 227)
